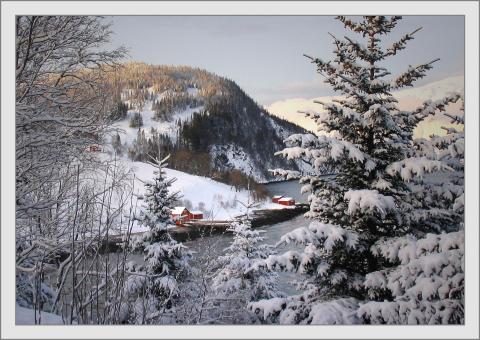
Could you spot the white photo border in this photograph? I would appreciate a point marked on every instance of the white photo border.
(469, 9)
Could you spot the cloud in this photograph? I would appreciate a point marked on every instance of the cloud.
(408, 99)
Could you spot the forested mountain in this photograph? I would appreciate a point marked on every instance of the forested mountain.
(208, 123)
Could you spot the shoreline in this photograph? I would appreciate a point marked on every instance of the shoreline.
(197, 229)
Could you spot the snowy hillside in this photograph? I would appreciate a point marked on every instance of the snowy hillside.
(197, 113)
(234, 157)
(169, 128)
(217, 200)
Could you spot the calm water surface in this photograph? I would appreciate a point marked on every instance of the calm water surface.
(215, 245)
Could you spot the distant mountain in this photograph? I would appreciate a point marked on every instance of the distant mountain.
(409, 99)
(434, 90)
(207, 122)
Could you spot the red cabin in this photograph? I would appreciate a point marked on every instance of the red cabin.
(180, 215)
(196, 215)
(286, 201)
(94, 148)
(276, 198)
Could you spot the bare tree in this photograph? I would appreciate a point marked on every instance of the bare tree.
(62, 100)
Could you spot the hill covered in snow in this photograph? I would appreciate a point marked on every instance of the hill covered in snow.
(217, 201)
(209, 125)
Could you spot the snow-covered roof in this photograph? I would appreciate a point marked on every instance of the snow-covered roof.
(197, 212)
(178, 210)
(287, 199)
(278, 196)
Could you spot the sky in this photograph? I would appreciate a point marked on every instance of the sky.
(264, 54)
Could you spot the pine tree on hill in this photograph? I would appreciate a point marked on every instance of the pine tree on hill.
(370, 147)
(136, 120)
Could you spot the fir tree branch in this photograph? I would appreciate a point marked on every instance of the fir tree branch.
(401, 44)
(411, 75)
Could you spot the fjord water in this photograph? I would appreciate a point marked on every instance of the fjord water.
(214, 246)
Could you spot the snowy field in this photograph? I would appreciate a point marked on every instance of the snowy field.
(27, 316)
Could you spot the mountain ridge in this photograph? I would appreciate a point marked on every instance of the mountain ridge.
(207, 122)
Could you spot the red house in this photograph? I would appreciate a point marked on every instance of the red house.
(276, 198)
(196, 215)
(94, 148)
(286, 201)
(180, 215)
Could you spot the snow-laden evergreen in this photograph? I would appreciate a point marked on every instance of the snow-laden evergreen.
(427, 285)
(439, 201)
(234, 283)
(373, 197)
(153, 287)
(427, 282)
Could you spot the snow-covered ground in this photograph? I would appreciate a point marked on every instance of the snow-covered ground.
(193, 91)
(27, 316)
(218, 201)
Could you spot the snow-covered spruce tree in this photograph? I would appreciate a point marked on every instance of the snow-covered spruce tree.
(439, 199)
(427, 282)
(152, 288)
(235, 286)
(368, 142)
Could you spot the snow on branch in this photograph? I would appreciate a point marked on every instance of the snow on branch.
(335, 76)
(307, 145)
(334, 113)
(288, 261)
(326, 235)
(428, 285)
(371, 25)
(428, 277)
(455, 119)
(354, 26)
(363, 52)
(335, 312)
(430, 107)
(412, 167)
(286, 174)
(369, 201)
(341, 311)
(269, 307)
(404, 312)
(406, 249)
(459, 203)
